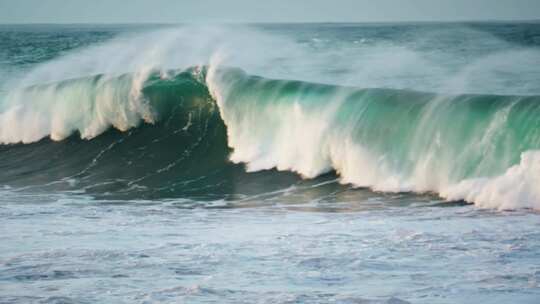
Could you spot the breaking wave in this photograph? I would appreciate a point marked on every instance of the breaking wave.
(181, 132)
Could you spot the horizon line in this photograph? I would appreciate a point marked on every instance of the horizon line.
(278, 22)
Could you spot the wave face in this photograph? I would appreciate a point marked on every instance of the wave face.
(478, 148)
(181, 139)
(179, 128)
(120, 137)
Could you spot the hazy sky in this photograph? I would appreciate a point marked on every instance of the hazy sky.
(205, 11)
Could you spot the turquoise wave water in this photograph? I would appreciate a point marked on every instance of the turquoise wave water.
(480, 148)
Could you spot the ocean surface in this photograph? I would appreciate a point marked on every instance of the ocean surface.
(270, 163)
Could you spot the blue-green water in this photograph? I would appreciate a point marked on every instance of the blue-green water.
(292, 163)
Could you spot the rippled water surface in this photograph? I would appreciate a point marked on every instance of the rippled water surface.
(66, 250)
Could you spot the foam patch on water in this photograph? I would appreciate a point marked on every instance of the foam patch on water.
(518, 187)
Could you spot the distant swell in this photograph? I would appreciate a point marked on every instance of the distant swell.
(180, 127)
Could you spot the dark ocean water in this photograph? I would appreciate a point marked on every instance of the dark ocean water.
(286, 163)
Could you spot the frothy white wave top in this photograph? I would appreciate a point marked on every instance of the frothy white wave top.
(38, 105)
(83, 106)
(27, 116)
